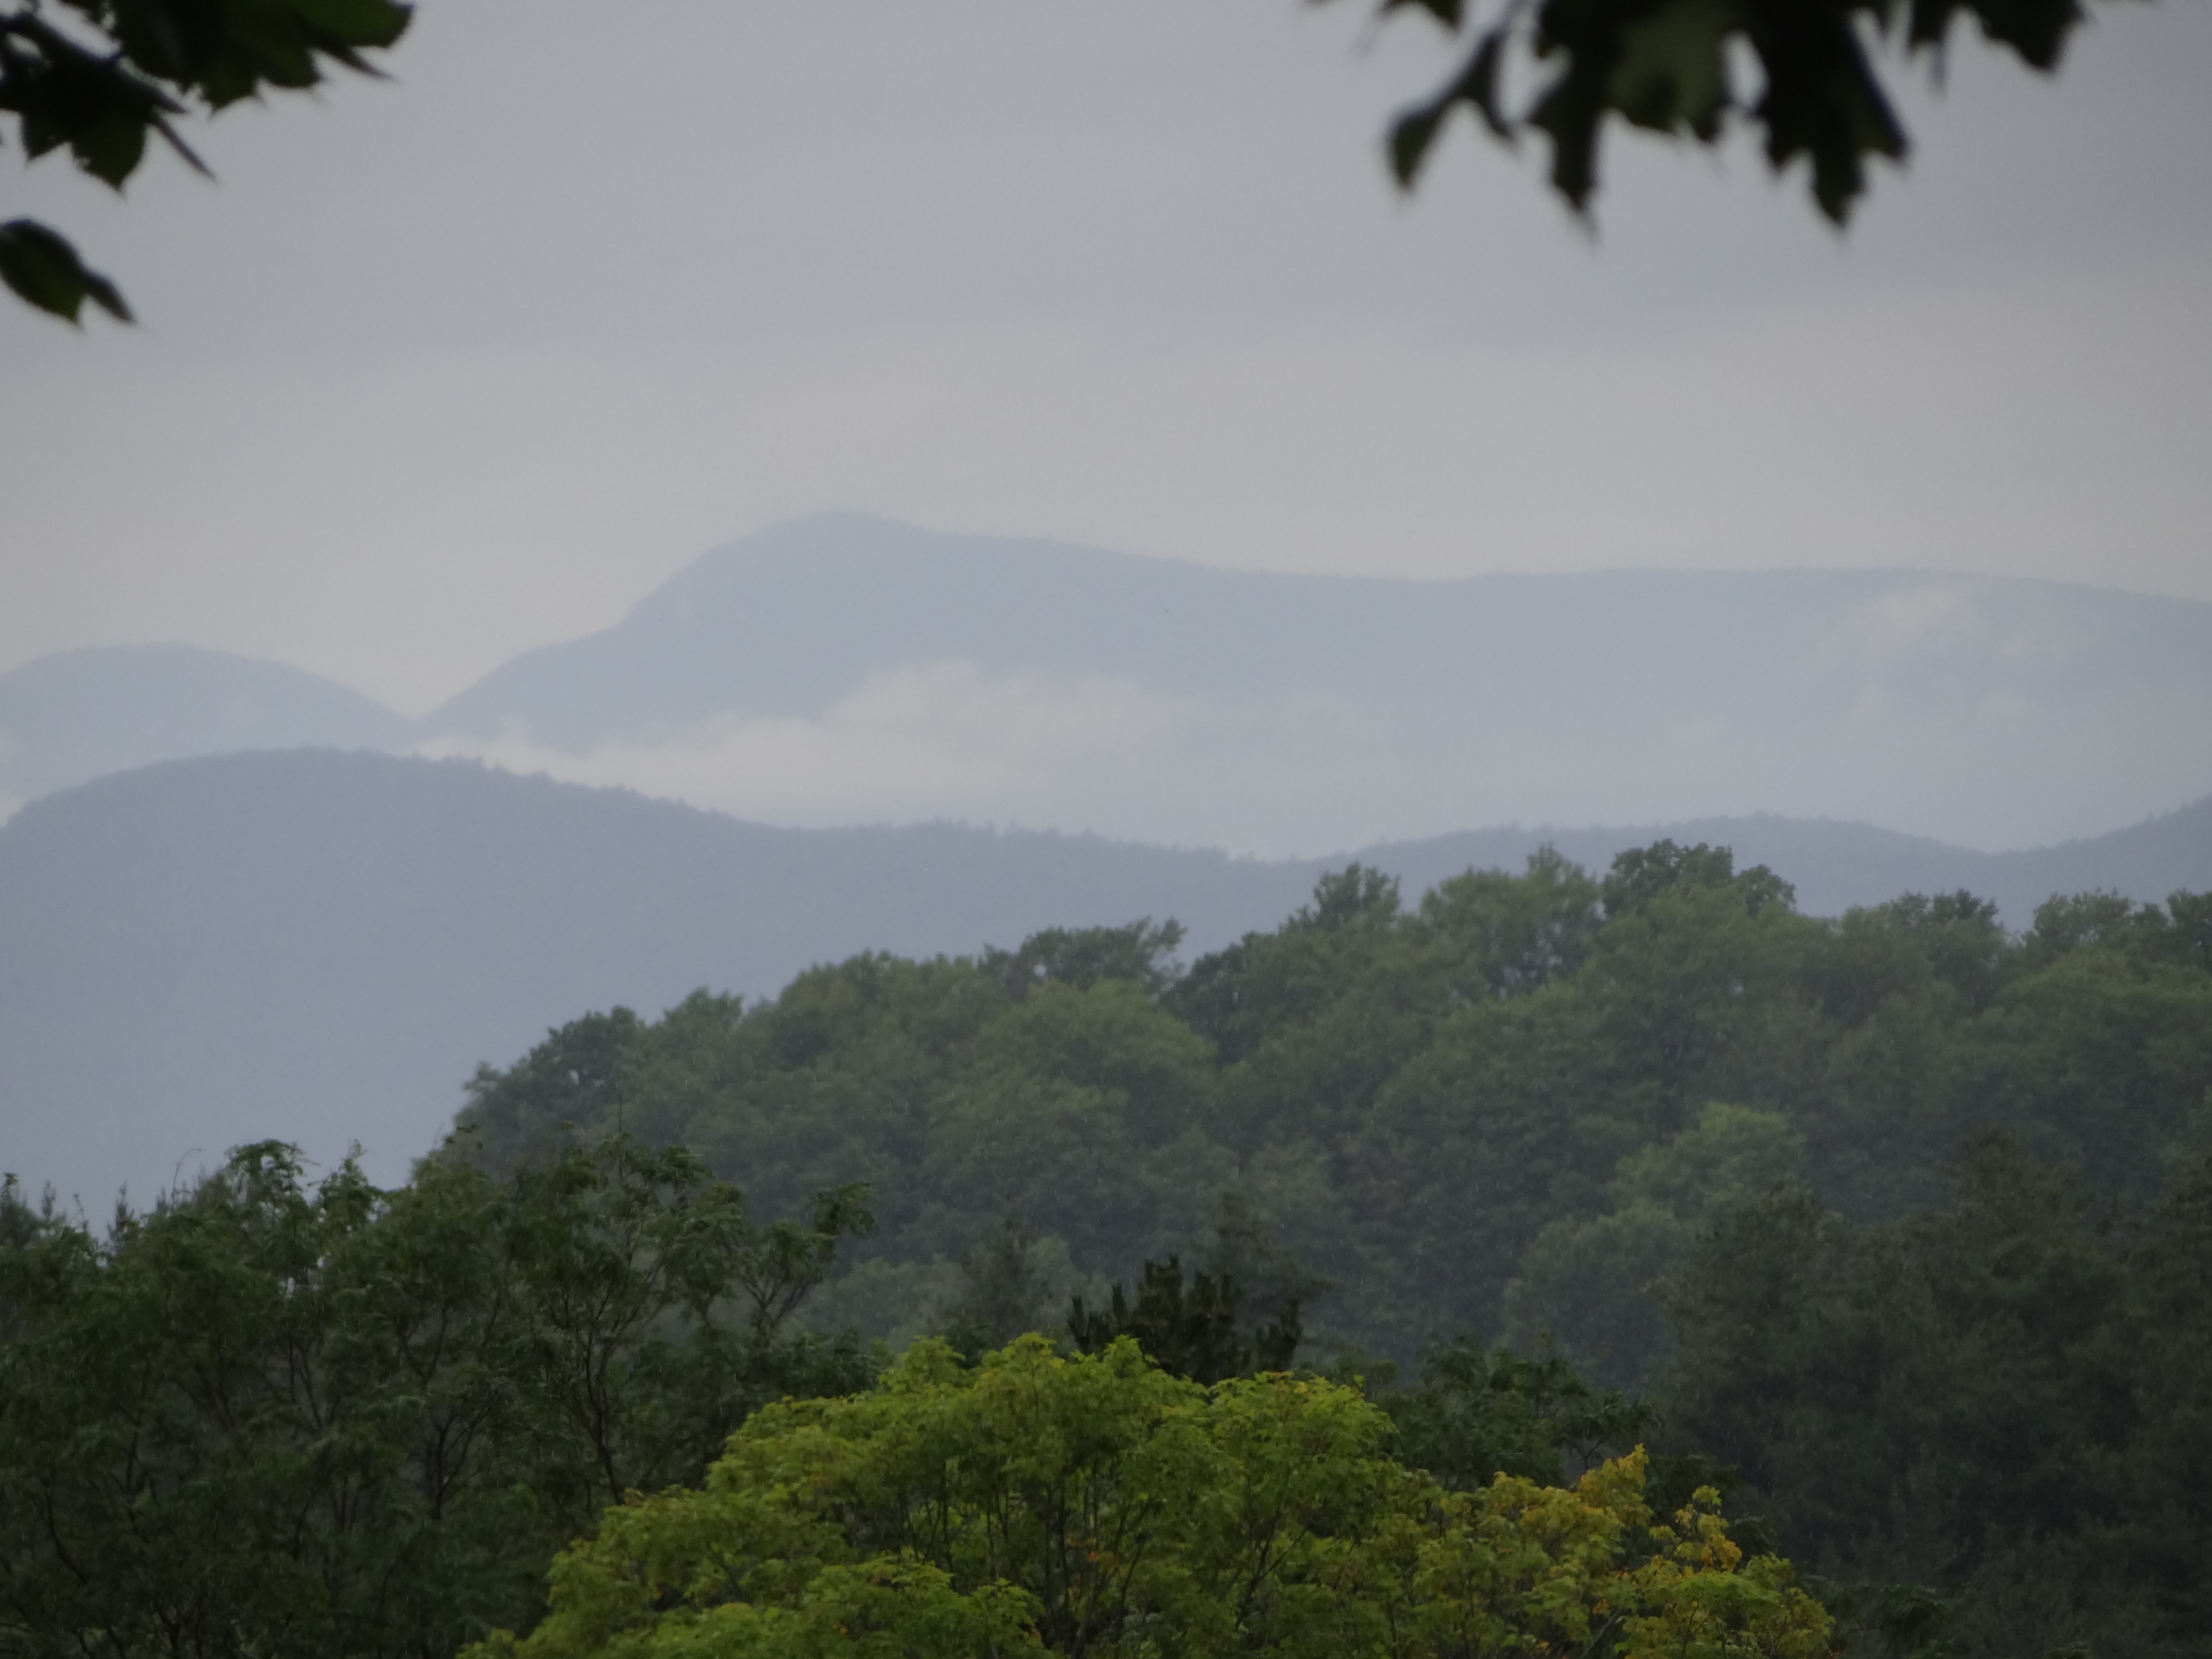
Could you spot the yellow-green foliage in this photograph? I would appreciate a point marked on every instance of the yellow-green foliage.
(1048, 1504)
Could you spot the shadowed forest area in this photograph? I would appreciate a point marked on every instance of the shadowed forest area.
(1891, 1233)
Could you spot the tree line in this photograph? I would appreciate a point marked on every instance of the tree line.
(274, 1417)
(1951, 1171)
(1489, 1110)
(1892, 1232)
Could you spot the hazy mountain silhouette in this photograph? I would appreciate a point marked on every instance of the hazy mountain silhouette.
(322, 946)
(844, 669)
(82, 714)
(786, 620)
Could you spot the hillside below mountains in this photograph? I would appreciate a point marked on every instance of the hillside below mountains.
(321, 947)
(844, 669)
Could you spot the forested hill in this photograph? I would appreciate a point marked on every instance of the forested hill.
(322, 947)
(1505, 1106)
(1901, 1223)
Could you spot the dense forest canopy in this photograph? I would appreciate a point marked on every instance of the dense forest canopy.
(1892, 1232)
(1898, 1217)
(282, 1418)
(1504, 1108)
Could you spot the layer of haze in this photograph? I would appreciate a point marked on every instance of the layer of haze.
(448, 367)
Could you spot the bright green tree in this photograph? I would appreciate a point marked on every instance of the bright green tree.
(1072, 1505)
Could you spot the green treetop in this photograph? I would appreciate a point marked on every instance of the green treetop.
(1068, 1505)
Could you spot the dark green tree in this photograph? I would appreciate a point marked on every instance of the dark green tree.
(1193, 1330)
(659, 1307)
(274, 1418)
(2002, 1403)
(1002, 1294)
(1674, 67)
(1481, 1412)
(1143, 952)
(1498, 935)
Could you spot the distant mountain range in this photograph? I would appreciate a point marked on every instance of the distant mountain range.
(321, 946)
(67, 719)
(845, 669)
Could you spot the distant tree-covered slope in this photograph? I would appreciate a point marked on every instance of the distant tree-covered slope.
(322, 947)
(1513, 1106)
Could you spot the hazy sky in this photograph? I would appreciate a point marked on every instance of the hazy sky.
(450, 367)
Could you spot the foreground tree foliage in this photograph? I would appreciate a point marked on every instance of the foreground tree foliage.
(1092, 1503)
(274, 1419)
(1674, 67)
(101, 79)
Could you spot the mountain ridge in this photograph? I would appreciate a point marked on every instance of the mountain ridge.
(322, 946)
(75, 715)
(844, 668)
(901, 593)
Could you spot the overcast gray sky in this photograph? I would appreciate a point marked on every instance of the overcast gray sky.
(450, 367)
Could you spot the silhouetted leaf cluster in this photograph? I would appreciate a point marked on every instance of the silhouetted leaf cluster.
(99, 79)
(1675, 67)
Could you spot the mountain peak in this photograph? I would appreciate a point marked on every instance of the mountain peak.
(81, 713)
